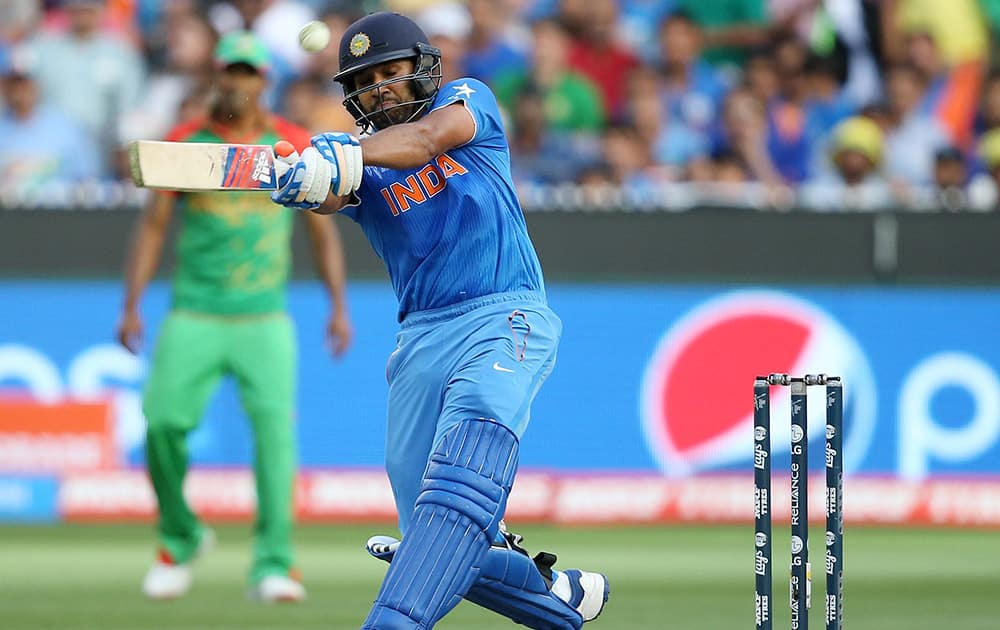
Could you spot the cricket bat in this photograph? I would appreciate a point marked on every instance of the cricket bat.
(194, 166)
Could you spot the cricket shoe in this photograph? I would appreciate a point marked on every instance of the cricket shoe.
(278, 589)
(585, 591)
(384, 547)
(168, 579)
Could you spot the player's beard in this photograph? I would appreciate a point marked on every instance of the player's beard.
(393, 111)
(393, 114)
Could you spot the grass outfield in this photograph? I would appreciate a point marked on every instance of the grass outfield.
(77, 576)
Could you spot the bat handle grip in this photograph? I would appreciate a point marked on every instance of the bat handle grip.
(285, 157)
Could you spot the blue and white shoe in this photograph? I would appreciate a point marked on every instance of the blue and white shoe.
(382, 547)
(585, 591)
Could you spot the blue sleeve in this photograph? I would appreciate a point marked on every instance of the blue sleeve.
(477, 97)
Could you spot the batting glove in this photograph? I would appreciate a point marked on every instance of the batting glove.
(306, 183)
(343, 151)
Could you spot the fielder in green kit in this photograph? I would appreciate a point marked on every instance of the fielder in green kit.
(228, 318)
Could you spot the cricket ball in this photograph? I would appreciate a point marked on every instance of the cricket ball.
(314, 36)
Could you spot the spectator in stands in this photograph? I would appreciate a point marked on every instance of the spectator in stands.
(540, 154)
(277, 23)
(190, 40)
(788, 140)
(595, 52)
(988, 114)
(991, 14)
(855, 183)
(761, 76)
(629, 160)
(447, 26)
(795, 18)
(827, 103)
(951, 175)
(692, 89)
(983, 189)
(640, 25)
(956, 26)
(572, 102)
(987, 119)
(90, 76)
(952, 92)
(41, 146)
(17, 19)
(851, 29)
(731, 29)
(492, 44)
(743, 132)
(675, 145)
(154, 19)
(912, 137)
(725, 180)
(728, 168)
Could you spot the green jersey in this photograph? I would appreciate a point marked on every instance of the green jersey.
(721, 14)
(234, 247)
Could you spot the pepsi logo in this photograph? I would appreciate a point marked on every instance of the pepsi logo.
(696, 405)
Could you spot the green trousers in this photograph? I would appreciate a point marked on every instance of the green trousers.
(193, 353)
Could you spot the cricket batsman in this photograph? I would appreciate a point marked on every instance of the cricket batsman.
(227, 318)
(430, 185)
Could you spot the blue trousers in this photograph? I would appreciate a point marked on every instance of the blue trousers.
(484, 358)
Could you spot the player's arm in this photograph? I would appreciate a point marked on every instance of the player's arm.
(414, 144)
(141, 262)
(328, 254)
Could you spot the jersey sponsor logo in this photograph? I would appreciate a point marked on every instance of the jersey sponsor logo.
(422, 185)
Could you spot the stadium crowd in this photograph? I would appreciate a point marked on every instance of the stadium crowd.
(829, 104)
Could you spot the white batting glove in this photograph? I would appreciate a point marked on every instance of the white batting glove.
(307, 184)
(343, 151)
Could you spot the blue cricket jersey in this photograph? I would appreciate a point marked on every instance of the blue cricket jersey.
(451, 230)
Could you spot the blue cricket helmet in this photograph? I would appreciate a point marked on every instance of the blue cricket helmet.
(376, 39)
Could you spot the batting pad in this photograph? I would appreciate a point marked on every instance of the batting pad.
(457, 516)
(511, 584)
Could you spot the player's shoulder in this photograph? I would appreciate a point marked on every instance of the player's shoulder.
(184, 131)
(469, 82)
(287, 130)
(465, 89)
